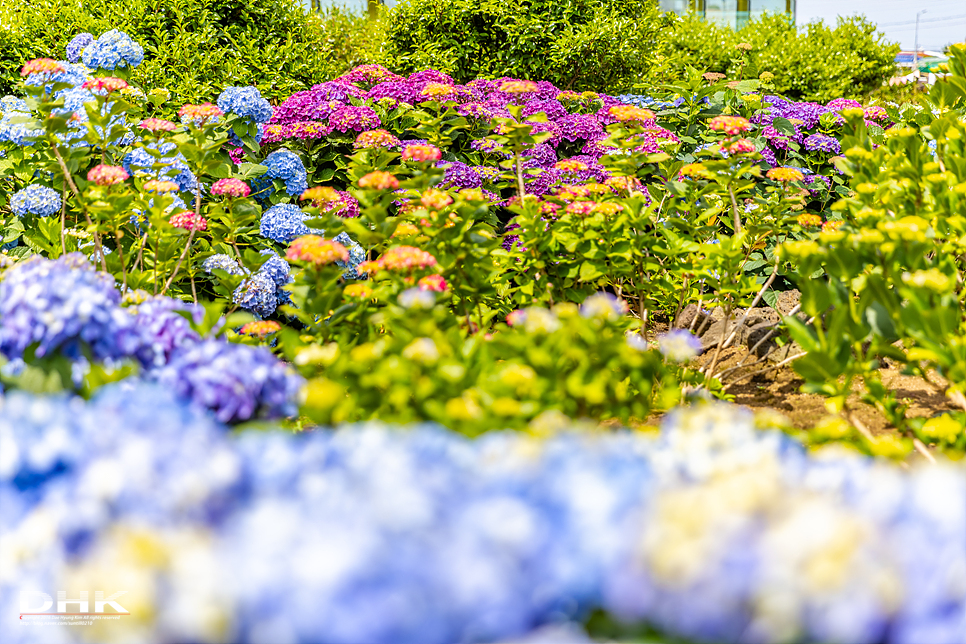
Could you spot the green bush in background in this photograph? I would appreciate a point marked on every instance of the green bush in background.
(600, 45)
(195, 48)
(818, 63)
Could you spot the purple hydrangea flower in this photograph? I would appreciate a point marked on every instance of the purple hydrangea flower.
(824, 143)
(402, 91)
(460, 175)
(431, 76)
(257, 294)
(76, 46)
(553, 108)
(679, 345)
(540, 156)
(357, 118)
(575, 127)
(237, 382)
(62, 305)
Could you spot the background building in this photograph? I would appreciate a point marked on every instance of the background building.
(733, 13)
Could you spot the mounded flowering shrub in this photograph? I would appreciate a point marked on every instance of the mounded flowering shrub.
(64, 311)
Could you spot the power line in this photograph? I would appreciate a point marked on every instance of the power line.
(912, 22)
(952, 23)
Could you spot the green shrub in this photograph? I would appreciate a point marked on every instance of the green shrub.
(195, 48)
(601, 45)
(818, 63)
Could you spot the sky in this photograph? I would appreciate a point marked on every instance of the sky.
(943, 23)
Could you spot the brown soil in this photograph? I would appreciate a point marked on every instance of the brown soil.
(780, 390)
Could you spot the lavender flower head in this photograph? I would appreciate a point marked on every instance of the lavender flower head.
(679, 345)
(75, 48)
(60, 305)
(162, 329)
(826, 144)
(35, 199)
(460, 175)
(257, 294)
(237, 382)
(401, 91)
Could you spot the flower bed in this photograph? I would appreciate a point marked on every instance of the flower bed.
(525, 267)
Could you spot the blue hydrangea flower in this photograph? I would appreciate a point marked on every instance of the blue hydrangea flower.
(285, 166)
(357, 255)
(18, 126)
(174, 165)
(60, 304)
(283, 223)
(237, 382)
(246, 102)
(276, 268)
(35, 199)
(113, 49)
(222, 262)
(75, 48)
(257, 294)
(73, 75)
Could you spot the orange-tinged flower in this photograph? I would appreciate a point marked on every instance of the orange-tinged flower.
(379, 180)
(435, 199)
(433, 283)
(157, 125)
(107, 84)
(316, 250)
(741, 146)
(809, 220)
(784, 174)
(608, 208)
(357, 291)
(832, 226)
(320, 195)
(260, 328)
(570, 165)
(42, 66)
(630, 113)
(406, 229)
(624, 184)
(107, 175)
(581, 208)
(518, 86)
(421, 152)
(188, 220)
(199, 114)
(694, 170)
(712, 77)
(375, 139)
(730, 124)
(161, 186)
(402, 259)
(437, 90)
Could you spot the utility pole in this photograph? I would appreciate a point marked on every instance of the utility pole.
(915, 53)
